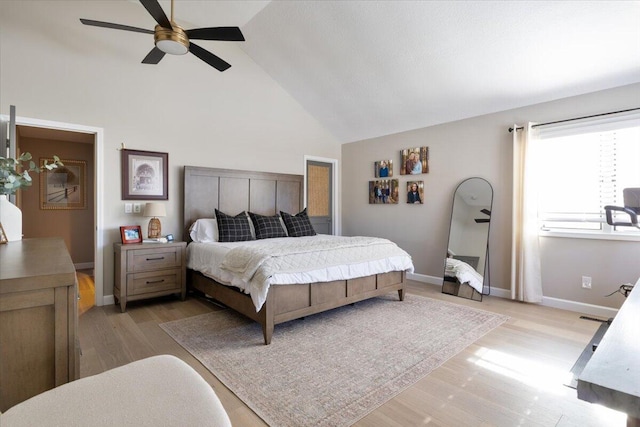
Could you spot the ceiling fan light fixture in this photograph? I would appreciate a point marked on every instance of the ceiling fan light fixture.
(173, 41)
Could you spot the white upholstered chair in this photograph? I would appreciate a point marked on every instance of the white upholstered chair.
(157, 391)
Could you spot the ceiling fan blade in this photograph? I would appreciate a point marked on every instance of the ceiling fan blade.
(208, 57)
(481, 220)
(486, 211)
(153, 57)
(231, 34)
(154, 8)
(114, 26)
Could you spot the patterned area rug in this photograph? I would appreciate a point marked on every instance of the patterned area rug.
(333, 368)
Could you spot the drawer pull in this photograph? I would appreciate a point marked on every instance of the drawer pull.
(155, 259)
(154, 281)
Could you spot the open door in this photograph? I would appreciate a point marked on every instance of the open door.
(320, 196)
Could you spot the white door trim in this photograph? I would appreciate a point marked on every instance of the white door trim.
(98, 271)
(336, 223)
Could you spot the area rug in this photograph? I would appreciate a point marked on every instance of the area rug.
(332, 368)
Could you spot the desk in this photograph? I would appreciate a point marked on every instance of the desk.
(612, 376)
(38, 319)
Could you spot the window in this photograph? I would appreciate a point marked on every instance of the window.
(584, 166)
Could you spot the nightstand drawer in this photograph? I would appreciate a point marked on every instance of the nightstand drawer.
(154, 281)
(154, 259)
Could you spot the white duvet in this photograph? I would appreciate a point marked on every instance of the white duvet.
(464, 272)
(256, 265)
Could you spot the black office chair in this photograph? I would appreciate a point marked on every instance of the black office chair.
(631, 207)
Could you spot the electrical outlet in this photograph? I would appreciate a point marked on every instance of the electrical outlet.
(136, 207)
(586, 282)
(128, 208)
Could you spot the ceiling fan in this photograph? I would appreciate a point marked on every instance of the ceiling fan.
(170, 38)
(481, 220)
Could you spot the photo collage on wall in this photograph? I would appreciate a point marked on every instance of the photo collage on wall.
(413, 161)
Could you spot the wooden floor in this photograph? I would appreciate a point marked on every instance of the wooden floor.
(513, 376)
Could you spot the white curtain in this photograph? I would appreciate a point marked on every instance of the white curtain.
(526, 281)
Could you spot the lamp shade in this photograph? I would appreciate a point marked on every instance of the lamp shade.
(154, 210)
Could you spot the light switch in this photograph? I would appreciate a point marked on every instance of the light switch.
(128, 208)
(136, 207)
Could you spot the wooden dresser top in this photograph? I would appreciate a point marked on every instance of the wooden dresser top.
(35, 264)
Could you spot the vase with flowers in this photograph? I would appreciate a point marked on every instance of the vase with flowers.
(15, 175)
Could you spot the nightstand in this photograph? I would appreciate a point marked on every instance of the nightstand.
(148, 270)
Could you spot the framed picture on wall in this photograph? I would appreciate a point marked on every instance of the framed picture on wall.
(145, 175)
(131, 234)
(383, 169)
(414, 161)
(415, 192)
(64, 187)
(383, 191)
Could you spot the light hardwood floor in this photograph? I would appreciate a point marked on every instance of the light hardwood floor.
(513, 376)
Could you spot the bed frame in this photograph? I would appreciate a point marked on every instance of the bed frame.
(233, 191)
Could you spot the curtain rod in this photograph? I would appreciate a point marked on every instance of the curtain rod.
(577, 118)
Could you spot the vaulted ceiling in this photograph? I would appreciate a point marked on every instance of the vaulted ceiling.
(365, 69)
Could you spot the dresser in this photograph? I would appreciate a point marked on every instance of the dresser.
(38, 319)
(148, 270)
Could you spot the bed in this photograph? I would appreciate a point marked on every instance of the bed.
(209, 189)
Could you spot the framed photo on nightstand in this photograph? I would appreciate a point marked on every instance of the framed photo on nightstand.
(131, 234)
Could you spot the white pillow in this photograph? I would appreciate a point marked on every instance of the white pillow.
(204, 230)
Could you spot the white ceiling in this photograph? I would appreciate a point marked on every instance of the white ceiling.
(365, 69)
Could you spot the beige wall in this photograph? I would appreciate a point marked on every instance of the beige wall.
(74, 225)
(481, 146)
(54, 68)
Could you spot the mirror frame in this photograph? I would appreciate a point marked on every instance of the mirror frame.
(454, 287)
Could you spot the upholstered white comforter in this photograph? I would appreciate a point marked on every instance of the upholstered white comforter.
(464, 272)
(256, 265)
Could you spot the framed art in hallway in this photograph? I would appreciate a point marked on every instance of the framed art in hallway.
(64, 187)
(145, 175)
(414, 161)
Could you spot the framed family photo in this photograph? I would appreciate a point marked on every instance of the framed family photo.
(131, 234)
(415, 192)
(64, 187)
(383, 169)
(383, 191)
(414, 161)
(145, 175)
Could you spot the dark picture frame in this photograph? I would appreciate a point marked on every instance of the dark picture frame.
(145, 175)
(64, 187)
(131, 234)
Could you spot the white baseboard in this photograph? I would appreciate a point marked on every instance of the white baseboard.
(433, 280)
(579, 307)
(108, 300)
(84, 265)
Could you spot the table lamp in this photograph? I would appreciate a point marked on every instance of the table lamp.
(154, 210)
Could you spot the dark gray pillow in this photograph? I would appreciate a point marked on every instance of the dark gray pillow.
(298, 225)
(233, 228)
(267, 227)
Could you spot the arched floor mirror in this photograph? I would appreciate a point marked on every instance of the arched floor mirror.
(466, 272)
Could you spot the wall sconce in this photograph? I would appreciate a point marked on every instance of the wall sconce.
(154, 210)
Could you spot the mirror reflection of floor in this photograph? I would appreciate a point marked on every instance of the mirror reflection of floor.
(86, 290)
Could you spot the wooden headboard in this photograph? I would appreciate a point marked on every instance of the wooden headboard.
(234, 191)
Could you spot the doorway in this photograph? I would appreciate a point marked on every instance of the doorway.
(45, 132)
(321, 194)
